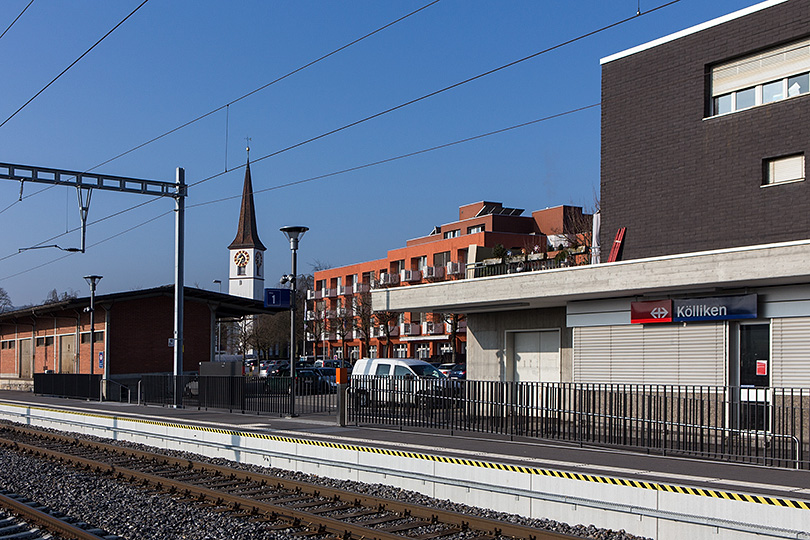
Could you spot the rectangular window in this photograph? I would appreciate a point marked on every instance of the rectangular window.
(397, 266)
(98, 337)
(783, 170)
(452, 234)
(401, 350)
(441, 259)
(475, 229)
(761, 78)
(240, 270)
(85, 337)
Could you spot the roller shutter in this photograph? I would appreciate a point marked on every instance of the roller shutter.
(694, 354)
(790, 352)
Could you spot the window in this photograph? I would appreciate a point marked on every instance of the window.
(783, 170)
(419, 263)
(372, 352)
(401, 350)
(761, 78)
(397, 266)
(452, 234)
(441, 259)
(475, 229)
(354, 352)
(44, 341)
(7, 345)
(240, 270)
(423, 351)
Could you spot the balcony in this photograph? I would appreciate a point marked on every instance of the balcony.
(432, 328)
(330, 293)
(434, 272)
(410, 276)
(461, 329)
(361, 288)
(316, 294)
(387, 280)
(454, 269)
(410, 329)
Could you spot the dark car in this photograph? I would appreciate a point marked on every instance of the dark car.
(459, 371)
(307, 381)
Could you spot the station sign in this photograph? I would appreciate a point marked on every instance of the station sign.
(719, 308)
(278, 298)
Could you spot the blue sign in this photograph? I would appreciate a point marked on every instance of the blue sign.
(720, 308)
(277, 298)
(101, 360)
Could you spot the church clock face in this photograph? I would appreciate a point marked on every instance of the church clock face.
(241, 258)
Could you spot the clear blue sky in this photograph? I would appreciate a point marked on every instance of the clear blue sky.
(175, 60)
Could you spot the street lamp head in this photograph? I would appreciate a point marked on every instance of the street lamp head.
(293, 233)
(92, 280)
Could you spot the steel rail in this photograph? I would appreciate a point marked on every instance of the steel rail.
(46, 521)
(462, 522)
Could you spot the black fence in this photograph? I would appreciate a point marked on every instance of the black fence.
(769, 426)
(71, 385)
(250, 395)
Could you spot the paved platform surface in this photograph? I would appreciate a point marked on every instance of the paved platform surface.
(558, 456)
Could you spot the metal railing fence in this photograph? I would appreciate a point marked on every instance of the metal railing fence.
(715, 422)
(72, 385)
(245, 394)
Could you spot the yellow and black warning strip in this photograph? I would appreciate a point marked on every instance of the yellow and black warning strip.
(655, 486)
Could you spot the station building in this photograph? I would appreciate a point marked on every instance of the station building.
(131, 334)
(341, 299)
(704, 138)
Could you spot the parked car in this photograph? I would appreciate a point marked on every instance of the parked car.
(399, 380)
(459, 371)
(329, 373)
(445, 368)
(307, 381)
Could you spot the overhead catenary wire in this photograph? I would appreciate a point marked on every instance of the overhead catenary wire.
(398, 107)
(227, 105)
(16, 18)
(85, 53)
(294, 183)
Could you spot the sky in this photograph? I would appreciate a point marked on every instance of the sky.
(174, 61)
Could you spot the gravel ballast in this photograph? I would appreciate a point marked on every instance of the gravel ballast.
(134, 513)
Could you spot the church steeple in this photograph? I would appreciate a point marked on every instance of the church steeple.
(247, 235)
(246, 275)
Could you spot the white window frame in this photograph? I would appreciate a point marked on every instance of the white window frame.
(769, 165)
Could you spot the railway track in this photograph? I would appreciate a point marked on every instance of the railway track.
(21, 518)
(310, 509)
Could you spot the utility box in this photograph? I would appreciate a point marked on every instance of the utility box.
(208, 369)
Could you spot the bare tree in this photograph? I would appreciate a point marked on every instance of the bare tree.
(54, 297)
(384, 319)
(317, 325)
(453, 320)
(343, 325)
(364, 318)
(267, 331)
(5, 301)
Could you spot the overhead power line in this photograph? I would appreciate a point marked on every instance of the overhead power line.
(259, 89)
(85, 53)
(16, 19)
(290, 184)
(240, 98)
(426, 96)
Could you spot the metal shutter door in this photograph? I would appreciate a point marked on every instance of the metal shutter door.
(790, 352)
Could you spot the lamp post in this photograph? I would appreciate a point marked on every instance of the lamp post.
(219, 332)
(293, 233)
(92, 280)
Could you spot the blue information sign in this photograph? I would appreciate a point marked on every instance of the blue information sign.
(277, 298)
(101, 360)
(721, 308)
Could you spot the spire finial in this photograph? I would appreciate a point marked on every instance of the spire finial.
(247, 140)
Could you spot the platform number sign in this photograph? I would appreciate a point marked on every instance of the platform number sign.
(278, 298)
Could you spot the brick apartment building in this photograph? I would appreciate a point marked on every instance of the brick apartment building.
(341, 295)
(131, 334)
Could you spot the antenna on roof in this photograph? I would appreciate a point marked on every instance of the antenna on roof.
(638, 11)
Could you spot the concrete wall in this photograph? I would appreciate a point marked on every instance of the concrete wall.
(489, 350)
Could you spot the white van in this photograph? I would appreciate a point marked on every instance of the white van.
(397, 380)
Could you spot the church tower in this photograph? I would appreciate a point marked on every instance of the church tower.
(246, 274)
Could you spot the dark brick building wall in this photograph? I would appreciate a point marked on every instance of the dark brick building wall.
(140, 330)
(682, 182)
